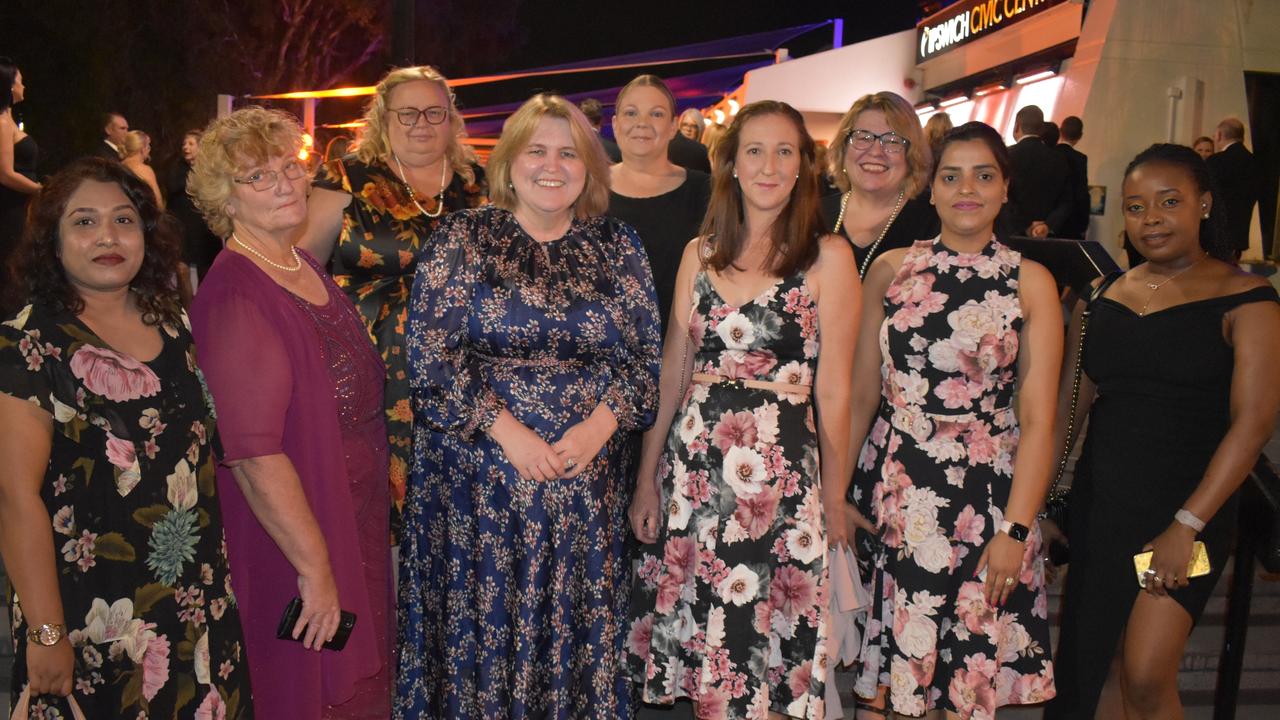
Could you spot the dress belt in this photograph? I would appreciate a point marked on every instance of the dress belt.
(780, 388)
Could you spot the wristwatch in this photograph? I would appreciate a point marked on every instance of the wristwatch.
(1015, 531)
(47, 634)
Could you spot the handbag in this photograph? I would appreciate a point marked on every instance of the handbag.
(22, 709)
(1058, 500)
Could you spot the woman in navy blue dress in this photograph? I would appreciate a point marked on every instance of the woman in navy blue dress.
(533, 347)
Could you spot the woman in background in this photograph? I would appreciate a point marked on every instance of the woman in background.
(18, 159)
(664, 202)
(137, 153)
(372, 212)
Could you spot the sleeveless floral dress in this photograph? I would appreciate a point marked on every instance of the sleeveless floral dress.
(941, 456)
(729, 607)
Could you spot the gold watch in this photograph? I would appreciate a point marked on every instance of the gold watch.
(47, 634)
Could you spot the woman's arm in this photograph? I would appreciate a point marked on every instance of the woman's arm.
(26, 540)
(149, 176)
(274, 492)
(8, 176)
(324, 222)
(1254, 332)
(677, 366)
(865, 390)
(1039, 366)
(839, 307)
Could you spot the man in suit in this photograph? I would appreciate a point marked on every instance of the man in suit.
(114, 129)
(688, 154)
(595, 115)
(1236, 178)
(1078, 185)
(1039, 201)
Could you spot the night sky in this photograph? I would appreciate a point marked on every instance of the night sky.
(162, 62)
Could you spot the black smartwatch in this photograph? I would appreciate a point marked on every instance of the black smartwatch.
(1015, 531)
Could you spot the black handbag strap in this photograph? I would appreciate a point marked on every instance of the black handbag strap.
(1075, 381)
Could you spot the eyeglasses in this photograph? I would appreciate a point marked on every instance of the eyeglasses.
(434, 115)
(891, 142)
(262, 180)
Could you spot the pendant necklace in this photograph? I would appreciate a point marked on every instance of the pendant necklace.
(413, 195)
(297, 261)
(1154, 286)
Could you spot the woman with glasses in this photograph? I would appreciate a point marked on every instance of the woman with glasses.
(691, 124)
(533, 347)
(370, 214)
(880, 160)
(303, 465)
(661, 200)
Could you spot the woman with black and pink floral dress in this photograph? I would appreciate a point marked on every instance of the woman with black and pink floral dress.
(743, 477)
(957, 468)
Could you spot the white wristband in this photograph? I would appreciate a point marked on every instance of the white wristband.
(1185, 517)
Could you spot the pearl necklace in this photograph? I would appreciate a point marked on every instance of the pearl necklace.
(297, 261)
(413, 194)
(871, 251)
(1157, 285)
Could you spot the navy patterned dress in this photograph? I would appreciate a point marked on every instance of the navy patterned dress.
(729, 607)
(513, 592)
(941, 454)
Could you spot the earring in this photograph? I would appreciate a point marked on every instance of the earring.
(510, 186)
(735, 174)
(797, 176)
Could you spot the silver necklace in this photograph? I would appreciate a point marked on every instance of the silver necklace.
(297, 261)
(871, 251)
(413, 195)
(1154, 286)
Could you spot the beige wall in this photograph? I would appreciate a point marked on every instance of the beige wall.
(1148, 71)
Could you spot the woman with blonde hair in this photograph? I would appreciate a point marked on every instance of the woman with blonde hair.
(137, 153)
(880, 161)
(664, 202)
(533, 354)
(303, 461)
(371, 212)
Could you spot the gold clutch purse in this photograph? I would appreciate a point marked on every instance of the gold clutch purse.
(1199, 566)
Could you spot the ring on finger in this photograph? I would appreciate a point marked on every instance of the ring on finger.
(570, 464)
(1008, 581)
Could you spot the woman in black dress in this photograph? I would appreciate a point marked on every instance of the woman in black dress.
(664, 202)
(1182, 391)
(881, 161)
(18, 156)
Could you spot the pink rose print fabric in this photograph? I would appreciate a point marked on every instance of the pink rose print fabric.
(137, 527)
(729, 607)
(940, 455)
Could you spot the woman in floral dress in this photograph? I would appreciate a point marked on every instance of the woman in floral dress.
(371, 213)
(533, 346)
(952, 326)
(729, 608)
(126, 604)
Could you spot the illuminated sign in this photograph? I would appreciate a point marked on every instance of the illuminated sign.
(969, 20)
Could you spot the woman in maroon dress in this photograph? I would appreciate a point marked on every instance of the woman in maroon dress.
(297, 385)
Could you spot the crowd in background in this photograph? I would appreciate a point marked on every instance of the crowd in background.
(394, 457)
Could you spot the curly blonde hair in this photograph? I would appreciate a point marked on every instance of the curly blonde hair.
(903, 121)
(516, 132)
(373, 145)
(230, 146)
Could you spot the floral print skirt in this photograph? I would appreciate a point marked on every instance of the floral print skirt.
(931, 638)
(729, 607)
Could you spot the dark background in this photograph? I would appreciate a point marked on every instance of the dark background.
(162, 62)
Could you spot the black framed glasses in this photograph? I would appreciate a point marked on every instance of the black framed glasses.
(262, 180)
(434, 115)
(891, 142)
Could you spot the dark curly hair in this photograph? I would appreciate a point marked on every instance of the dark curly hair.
(37, 272)
(1213, 231)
